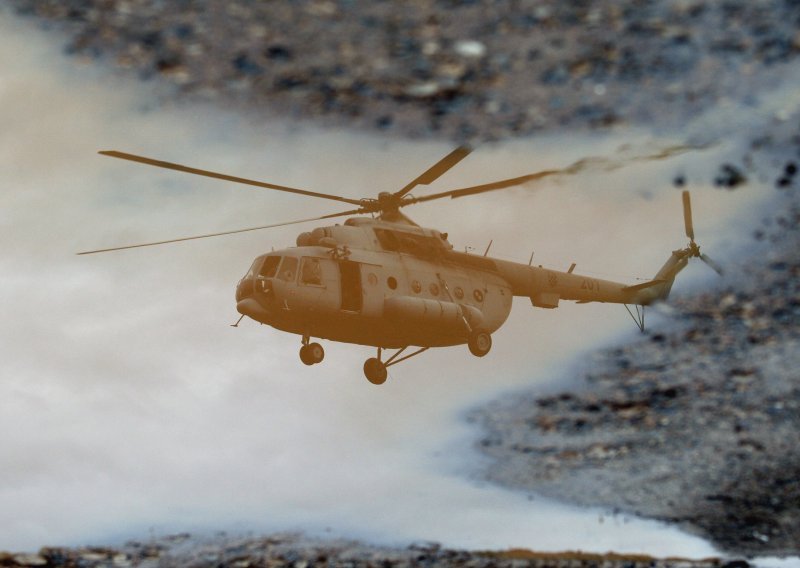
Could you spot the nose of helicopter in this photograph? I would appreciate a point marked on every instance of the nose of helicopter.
(244, 289)
(251, 308)
(248, 304)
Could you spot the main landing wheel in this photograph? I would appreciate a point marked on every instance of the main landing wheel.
(480, 343)
(375, 371)
(312, 353)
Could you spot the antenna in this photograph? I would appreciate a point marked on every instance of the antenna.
(487, 248)
(530, 260)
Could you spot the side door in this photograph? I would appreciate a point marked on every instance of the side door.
(351, 292)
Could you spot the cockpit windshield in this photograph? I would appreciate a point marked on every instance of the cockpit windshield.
(270, 267)
(254, 267)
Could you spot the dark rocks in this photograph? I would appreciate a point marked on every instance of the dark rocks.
(555, 75)
(186, 551)
(278, 52)
(729, 177)
(243, 63)
(789, 172)
(467, 69)
(82, 558)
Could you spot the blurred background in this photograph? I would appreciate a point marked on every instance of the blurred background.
(128, 403)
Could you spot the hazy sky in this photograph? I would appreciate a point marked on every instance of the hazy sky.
(128, 403)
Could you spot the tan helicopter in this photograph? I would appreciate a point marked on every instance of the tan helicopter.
(383, 281)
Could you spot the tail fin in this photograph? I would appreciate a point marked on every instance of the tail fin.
(659, 287)
(675, 263)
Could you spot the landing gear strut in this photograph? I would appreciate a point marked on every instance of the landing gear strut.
(375, 369)
(311, 353)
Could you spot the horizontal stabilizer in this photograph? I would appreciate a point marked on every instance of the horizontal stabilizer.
(643, 285)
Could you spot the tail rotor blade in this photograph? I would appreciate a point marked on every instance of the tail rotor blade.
(717, 268)
(687, 215)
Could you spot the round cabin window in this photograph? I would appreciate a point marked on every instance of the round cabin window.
(478, 295)
(391, 282)
(434, 288)
(416, 286)
(459, 291)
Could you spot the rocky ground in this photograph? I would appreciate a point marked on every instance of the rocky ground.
(698, 422)
(460, 69)
(301, 552)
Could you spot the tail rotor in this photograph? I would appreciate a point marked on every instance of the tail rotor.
(693, 249)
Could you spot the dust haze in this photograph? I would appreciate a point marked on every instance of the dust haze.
(127, 402)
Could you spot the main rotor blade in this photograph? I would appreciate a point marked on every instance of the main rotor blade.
(606, 164)
(437, 170)
(331, 216)
(502, 184)
(687, 215)
(215, 175)
(717, 268)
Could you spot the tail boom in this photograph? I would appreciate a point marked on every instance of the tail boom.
(546, 287)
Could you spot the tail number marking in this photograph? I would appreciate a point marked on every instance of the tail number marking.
(590, 284)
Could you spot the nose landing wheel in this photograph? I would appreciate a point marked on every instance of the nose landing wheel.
(312, 353)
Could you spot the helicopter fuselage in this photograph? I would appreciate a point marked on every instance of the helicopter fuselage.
(375, 283)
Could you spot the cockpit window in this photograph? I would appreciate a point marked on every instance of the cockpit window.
(311, 272)
(254, 267)
(288, 269)
(270, 267)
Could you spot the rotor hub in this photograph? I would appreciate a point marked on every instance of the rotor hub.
(388, 202)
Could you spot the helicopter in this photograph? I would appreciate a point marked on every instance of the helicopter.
(381, 280)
